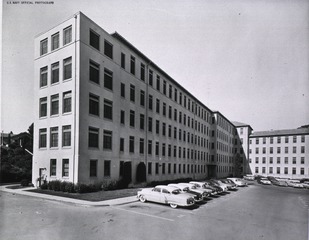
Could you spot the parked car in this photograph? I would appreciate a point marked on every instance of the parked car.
(279, 183)
(230, 184)
(249, 177)
(203, 186)
(198, 197)
(214, 185)
(194, 188)
(166, 195)
(264, 181)
(220, 184)
(239, 182)
(295, 184)
(306, 184)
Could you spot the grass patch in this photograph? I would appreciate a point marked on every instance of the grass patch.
(94, 196)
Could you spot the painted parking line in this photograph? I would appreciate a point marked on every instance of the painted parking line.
(144, 214)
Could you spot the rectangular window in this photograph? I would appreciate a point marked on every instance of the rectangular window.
(271, 170)
(108, 109)
(293, 170)
(175, 95)
(294, 139)
(132, 93)
(302, 171)
(107, 140)
(55, 41)
(65, 167)
(158, 106)
(163, 129)
(141, 145)
(67, 35)
(122, 90)
(43, 107)
(142, 121)
(278, 139)
(132, 118)
(271, 140)
(157, 126)
(302, 139)
(157, 149)
(278, 160)
(121, 145)
(150, 124)
(294, 149)
(66, 136)
(150, 102)
(302, 160)
(67, 68)
(107, 168)
(132, 65)
(278, 149)
(163, 168)
(170, 92)
(278, 170)
(94, 72)
(131, 144)
(164, 87)
(123, 60)
(94, 105)
(149, 168)
(53, 167)
(43, 76)
(163, 149)
(108, 79)
(286, 139)
(122, 117)
(94, 40)
(157, 168)
(150, 80)
(286, 160)
(93, 168)
(149, 147)
(67, 102)
(42, 138)
(302, 149)
(142, 98)
(286, 150)
(93, 137)
(158, 83)
(54, 137)
(286, 171)
(108, 49)
(164, 109)
(142, 72)
(55, 73)
(43, 47)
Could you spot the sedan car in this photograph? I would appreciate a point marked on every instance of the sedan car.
(166, 195)
(198, 197)
(230, 184)
(191, 186)
(239, 182)
(264, 181)
(220, 184)
(295, 184)
(203, 186)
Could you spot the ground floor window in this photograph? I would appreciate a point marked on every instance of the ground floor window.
(93, 168)
(149, 168)
(65, 167)
(53, 167)
(107, 168)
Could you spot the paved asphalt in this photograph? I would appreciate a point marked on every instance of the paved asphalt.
(255, 212)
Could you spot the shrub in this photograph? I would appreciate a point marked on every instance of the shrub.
(44, 186)
(54, 185)
(24, 182)
(70, 187)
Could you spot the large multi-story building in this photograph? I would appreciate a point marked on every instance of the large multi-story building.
(103, 109)
(100, 102)
(280, 153)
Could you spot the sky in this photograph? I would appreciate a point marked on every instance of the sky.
(247, 59)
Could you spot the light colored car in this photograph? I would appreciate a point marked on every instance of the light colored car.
(203, 186)
(295, 184)
(249, 177)
(191, 186)
(306, 184)
(220, 184)
(265, 181)
(239, 182)
(166, 195)
(229, 183)
(198, 197)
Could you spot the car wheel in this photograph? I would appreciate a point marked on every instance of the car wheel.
(142, 198)
(173, 205)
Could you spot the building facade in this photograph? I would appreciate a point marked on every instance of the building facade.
(280, 153)
(100, 102)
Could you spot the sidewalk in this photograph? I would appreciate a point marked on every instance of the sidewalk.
(112, 202)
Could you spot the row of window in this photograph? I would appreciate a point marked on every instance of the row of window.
(55, 72)
(54, 137)
(287, 139)
(286, 170)
(286, 160)
(169, 168)
(95, 42)
(55, 104)
(166, 149)
(271, 150)
(65, 167)
(55, 40)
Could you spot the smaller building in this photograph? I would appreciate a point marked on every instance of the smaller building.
(280, 153)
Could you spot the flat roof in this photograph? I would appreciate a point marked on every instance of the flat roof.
(285, 132)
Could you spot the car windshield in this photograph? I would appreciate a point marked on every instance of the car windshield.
(193, 187)
(186, 189)
(176, 191)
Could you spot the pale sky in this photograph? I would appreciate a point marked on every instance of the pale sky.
(247, 59)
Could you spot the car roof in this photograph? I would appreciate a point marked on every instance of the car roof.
(169, 188)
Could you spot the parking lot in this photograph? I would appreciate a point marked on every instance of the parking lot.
(254, 212)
